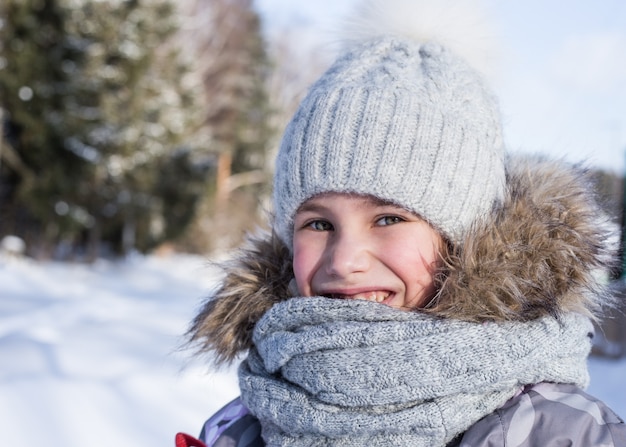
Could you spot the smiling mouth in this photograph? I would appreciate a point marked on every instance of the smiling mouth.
(377, 296)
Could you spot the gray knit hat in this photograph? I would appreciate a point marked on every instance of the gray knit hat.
(407, 121)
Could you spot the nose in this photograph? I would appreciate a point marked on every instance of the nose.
(347, 254)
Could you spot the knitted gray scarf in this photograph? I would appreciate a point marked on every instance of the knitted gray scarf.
(330, 372)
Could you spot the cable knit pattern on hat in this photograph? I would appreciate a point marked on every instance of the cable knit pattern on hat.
(406, 122)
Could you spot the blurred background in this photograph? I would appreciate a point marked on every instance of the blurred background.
(152, 125)
(147, 129)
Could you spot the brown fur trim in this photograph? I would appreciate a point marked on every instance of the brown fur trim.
(257, 278)
(537, 254)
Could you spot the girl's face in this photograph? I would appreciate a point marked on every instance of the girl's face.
(357, 247)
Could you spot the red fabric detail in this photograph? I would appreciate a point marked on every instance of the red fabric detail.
(185, 440)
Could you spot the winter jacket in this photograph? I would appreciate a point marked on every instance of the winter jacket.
(538, 254)
(544, 414)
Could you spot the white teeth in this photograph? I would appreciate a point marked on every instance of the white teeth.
(376, 297)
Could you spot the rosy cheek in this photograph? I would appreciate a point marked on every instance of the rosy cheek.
(302, 272)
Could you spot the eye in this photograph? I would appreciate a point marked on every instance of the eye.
(319, 225)
(389, 220)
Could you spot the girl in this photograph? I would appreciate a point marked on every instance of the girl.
(419, 287)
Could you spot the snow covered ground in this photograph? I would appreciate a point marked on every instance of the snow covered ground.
(89, 355)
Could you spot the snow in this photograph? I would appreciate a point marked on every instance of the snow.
(90, 355)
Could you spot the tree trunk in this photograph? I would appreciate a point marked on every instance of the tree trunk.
(224, 164)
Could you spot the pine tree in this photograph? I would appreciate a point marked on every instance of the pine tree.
(147, 111)
(124, 109)
(33, 83)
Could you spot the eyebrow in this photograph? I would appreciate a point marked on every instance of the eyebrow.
(311, 206)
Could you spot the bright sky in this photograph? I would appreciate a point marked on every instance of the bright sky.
(561, 74)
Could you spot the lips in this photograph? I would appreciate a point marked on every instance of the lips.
(376, 296)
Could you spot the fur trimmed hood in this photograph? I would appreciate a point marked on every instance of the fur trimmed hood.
(541, 252)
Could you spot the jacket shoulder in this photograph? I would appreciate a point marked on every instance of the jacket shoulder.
(549, 414)
(233, 425)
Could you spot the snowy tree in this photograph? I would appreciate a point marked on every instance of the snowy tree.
(32, 85)
(98, 106)
(149, 102)
(225, 37)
